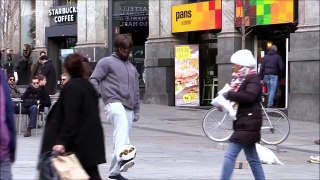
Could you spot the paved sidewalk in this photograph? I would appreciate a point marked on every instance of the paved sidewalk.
(171, 145)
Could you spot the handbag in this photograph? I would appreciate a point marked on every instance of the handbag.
(68, 167)
(46, 170)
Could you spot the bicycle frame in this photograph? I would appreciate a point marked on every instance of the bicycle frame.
(271, 125)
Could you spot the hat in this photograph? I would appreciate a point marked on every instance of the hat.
(243, 57)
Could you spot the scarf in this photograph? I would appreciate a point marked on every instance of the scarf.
(238, 77)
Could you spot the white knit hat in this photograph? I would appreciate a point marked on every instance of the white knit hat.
(243, 57)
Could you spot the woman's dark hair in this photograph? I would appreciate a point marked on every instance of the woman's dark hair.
(76, 66)
(123, 41)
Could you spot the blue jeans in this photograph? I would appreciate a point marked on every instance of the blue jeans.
(272, 84)
(5, 169)
(32, 111)
(251, 155)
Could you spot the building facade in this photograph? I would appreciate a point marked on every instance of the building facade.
(297, 41)
(89, 26)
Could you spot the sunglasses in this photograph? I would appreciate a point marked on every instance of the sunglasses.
(35, 83)
(63, 79)
(12, 80)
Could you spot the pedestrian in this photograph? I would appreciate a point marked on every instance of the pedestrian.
(73, 124)
(42, 83)
(31, 99)
(271, 68)
(47, 69)
(116, 79)
(35, 70)
(64, 79)
(9, 62)
(24, 66)
(7, 130)
(248, 118)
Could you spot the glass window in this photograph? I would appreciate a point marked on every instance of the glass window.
(64, 2)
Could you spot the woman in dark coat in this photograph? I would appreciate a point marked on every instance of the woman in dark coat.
(248, 118)
(73, 124)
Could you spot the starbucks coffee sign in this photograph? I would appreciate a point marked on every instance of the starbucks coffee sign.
(63, 14)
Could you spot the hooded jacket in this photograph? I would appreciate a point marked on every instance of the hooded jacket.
(116, 80)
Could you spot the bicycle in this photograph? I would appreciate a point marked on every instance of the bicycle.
(275, 129)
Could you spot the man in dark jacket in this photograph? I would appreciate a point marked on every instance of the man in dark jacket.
(31, 99)
(271, 68)
(48, 70)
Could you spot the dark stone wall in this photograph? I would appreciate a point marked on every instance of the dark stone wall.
(159, 69)
(304, 63)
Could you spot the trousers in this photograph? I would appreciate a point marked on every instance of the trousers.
(5, 169)
(121, 119)
(251, 155)
(272, 84)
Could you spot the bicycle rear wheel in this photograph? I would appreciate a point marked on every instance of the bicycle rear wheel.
(278, 130)
(217, 125)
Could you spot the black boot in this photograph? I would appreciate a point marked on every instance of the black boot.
(27, 133)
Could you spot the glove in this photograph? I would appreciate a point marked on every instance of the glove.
(136, 117)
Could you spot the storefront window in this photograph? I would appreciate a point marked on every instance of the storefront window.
(64, 2)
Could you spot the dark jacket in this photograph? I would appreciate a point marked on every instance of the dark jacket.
(24, 68)
(15, 92)
(32, 95)
(49, 71)
(74, 121)
(249, 115)
(272, 64)
(9, 117)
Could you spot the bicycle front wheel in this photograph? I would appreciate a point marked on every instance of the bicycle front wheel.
(276, 129)
(217, 125)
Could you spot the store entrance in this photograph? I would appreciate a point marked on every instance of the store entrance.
(207, 64)
(263, 44)
(58, 49)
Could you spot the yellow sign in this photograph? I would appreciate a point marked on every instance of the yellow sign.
(183, 52)
(196, 16)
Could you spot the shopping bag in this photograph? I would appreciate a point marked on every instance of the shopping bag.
(68, 167)
(46, 170)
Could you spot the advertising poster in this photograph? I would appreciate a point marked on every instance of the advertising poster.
(187, 75)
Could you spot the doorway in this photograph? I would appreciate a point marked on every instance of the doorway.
(262, 46)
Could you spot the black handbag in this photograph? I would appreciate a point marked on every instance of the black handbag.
(45, 167)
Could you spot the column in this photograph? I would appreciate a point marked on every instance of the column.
(304, 63)
(42, 21)
(229, 41)
(159, 59)
(92, 29)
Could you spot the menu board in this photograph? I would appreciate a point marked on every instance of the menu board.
(187, 75)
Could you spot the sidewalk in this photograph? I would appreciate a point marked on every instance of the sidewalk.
(171, 145)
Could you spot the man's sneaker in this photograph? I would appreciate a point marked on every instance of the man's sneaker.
(128, 152)
(125, 165)
(118, 177)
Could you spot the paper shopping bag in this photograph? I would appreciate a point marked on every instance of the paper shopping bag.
(69, 168)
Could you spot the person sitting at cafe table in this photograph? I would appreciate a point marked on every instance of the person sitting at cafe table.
(31, 99)
(14, 90)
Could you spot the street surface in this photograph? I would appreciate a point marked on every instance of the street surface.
(171, 145)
